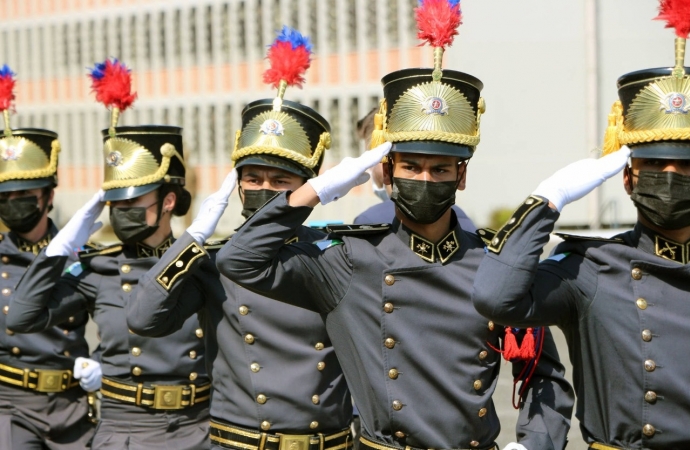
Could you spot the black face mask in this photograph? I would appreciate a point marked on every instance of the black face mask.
(423, 201)
(255, 199)
(129, 224)
(663, 198)
(22, 214)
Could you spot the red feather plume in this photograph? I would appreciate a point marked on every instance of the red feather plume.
(112, 83)
(290, 57)
(676, 13)
(438, 21)
(7, 83)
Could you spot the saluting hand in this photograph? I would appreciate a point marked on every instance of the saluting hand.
(89, 374)
(578, 179)
(79, 228)
(337, 181)
(212, 209)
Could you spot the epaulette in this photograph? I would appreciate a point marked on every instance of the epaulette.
(92, 249)
(358, 230)
(182, 264)
(574, 237)
(216, 245)
(486, 235)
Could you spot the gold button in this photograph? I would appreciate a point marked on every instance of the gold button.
(491, 326)
(70, 319)
(192, 354)
(397, 405)
(636, 273)
(648, 430)
(494, 241)
(9, 332)
(136, 371)
(5, 275)
(130, 331)
(388, 307)
(315, 399)
(477, 385)
(193, 376)
(646, 335)
(195, 250)
(136, 351)
(165, 279)
(641, 303)
(483, 354)
(199, 333)
(261, 399)
(66, 353)
(248, 338)
(319, 346)
(179, 264)
(399, 434)
(389, 279)
(126, 287)
(649, 365)
(265, 425)
(389, 342)
(650, 396)
(5, 259)
(321, 365)
(65, 332)
(474, 443)
(6, 292)
(5, 309)
(529, 201)
(393, 374)
(16, 351)
(482, 412)
(255, 367)
(126, 268)
(244, 310)
(314, 425)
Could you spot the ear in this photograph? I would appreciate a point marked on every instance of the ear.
(51, 197)
(169, 202)
(462, 176)
(628, 179)
(387, 176)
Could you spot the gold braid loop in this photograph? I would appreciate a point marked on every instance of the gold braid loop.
(453, 138)
(324, 144)
(45, 172)
(168, 151)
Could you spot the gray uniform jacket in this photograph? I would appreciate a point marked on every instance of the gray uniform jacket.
(57, 345)
(415, 353)
(273, 365)
(101, 283)
(624, 306)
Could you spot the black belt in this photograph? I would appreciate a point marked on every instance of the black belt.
(39, 380)
(156, 396)
(368, 444)
(230, 436)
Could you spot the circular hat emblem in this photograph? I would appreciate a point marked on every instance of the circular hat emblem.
(11, 153)
(675, 103)
(435, 105)
(113, 159)
(272, 127)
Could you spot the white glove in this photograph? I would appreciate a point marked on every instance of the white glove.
(578, 179)
(89, 374)
(514, 446)
(337, 181)
(212, 209)
(77, 231)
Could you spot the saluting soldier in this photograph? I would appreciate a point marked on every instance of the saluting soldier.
(277, 382)
(417, 357)
(41, 404)
(621, 302)
(155, 391)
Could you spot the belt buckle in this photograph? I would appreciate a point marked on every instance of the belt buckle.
(52, 380)
(294, 441)
(167, 397)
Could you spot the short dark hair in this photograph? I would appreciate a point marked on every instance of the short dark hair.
(365, 126)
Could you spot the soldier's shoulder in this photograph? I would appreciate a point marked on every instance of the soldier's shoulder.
(589, 240)
(215, 245)
(94, 249)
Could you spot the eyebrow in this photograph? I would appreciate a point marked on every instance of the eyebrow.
(418, 163)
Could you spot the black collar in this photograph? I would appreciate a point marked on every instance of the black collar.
(665, 248)
(34, 247)
(144, 251)
(431, 252)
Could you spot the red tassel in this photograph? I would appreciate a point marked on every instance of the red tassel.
(510, 347)
(676, 13)
(527, 349)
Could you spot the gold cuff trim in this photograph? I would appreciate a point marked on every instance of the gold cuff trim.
(513, 223)
(180, 265)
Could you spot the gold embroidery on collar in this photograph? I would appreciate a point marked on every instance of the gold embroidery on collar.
(144, 251)
(35, 248)
(671, 250)
(428, 251)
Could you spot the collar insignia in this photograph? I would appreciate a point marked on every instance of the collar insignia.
(673, 251)
(35, 248)
(292, 240)
(144, 251)
(428, 251)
